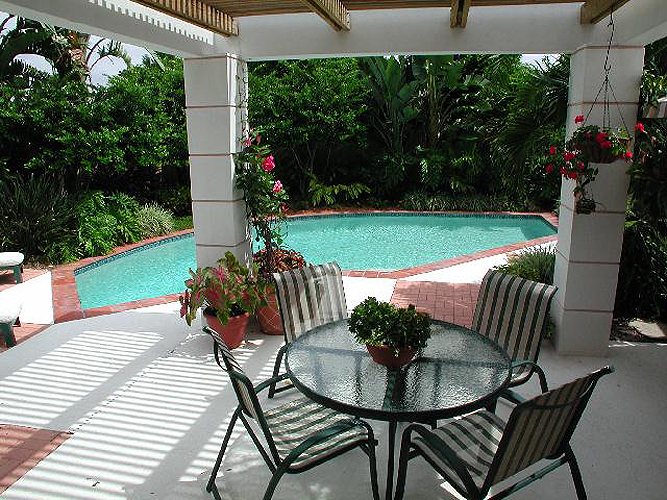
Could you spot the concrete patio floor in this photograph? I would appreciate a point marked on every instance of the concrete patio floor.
(147, 408)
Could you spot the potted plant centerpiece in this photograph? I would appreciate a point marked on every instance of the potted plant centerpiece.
(266, 207)
(392, 335)
(230, 293)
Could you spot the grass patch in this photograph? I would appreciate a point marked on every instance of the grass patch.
(184, 222)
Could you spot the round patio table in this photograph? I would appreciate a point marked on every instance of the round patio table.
(459, 371)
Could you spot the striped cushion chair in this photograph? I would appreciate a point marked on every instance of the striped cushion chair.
(298, 435)
(513, 312)
(479, 450)
(308, 296)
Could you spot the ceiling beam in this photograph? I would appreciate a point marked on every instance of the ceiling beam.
(458, 13)
(594, 11)
(196, 12)
(333, 12)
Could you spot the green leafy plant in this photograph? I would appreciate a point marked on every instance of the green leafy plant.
(35, 216)
(424, 202)
(229, 289)
(381, 324)
(124, 209)
(177, 199)
(154, 220)
(536, 264)
(328, 195)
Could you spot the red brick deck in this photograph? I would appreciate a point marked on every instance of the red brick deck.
(21, 448)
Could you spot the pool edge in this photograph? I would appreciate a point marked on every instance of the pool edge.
(67, 306)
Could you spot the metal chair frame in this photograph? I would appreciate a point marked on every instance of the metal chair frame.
(275, 463)
(563, 455)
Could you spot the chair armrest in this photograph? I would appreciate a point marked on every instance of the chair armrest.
(263, 385)
(534, 367)
(512, 397)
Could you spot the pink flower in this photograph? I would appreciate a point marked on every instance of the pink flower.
(568, 156)
(552, 150)
(605, 144)
(579, 119)
(268, 164)
(572, 175)
(284, 208)
(628, 155)
(580, 166)
(601, 137)
(639, 127)
(549, 168)
(277, 187)
(248, 142)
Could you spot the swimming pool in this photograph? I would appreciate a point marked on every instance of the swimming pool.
(356, 241)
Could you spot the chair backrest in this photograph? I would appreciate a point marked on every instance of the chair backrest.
(512, 311)
(310, 296)
(245, 392)
(541, 427)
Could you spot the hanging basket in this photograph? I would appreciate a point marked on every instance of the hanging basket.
(584, 205)
(593, 153)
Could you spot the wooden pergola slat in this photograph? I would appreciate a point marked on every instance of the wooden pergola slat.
(458, 14)
(333, 12)
(594, 11)
(197, 12)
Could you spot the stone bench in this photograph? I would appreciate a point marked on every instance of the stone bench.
(9, 316)
(13, 261)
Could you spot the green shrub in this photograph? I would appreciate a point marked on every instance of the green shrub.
(154, 220)
(535, 264)
(35, 215)
(321, 194)
(642, 278)
(104, 222)
(468, 203)
(176, 199)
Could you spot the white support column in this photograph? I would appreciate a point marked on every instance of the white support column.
(589, 246)
(215, 92)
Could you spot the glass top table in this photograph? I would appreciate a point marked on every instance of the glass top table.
(459, 371)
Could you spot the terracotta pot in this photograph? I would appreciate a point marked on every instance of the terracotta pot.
(385, 355)
(269, 317)
(233, 332)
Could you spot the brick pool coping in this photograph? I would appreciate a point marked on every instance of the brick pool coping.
(67, 306)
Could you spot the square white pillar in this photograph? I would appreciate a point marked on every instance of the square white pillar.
(589, 245)
(216, 108)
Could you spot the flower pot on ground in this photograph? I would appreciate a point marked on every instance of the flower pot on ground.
(392, 335)
(231, 333)
(282, 259)
(227, 292)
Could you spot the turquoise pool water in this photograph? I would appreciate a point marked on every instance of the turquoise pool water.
(377, 242)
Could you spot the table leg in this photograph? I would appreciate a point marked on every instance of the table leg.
(390, 460)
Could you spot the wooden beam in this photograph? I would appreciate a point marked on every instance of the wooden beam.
(196, 12)
(458, 13)
(333, 12)
(594, 11)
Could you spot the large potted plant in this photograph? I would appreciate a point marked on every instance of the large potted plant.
(266, 207)
(392, 335)
(229, 294)
(588, 147)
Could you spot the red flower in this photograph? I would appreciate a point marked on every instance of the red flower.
(572, 175)
(268, 164)
(628, 155)
(601, 137)
(587, 135)
(552, 150)
(639, 127)
(248, 142)
(549, 168)
(277, 187)
(568, 156)
(580, 166)
(579, 119)
(563, 171)
(605, 144)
